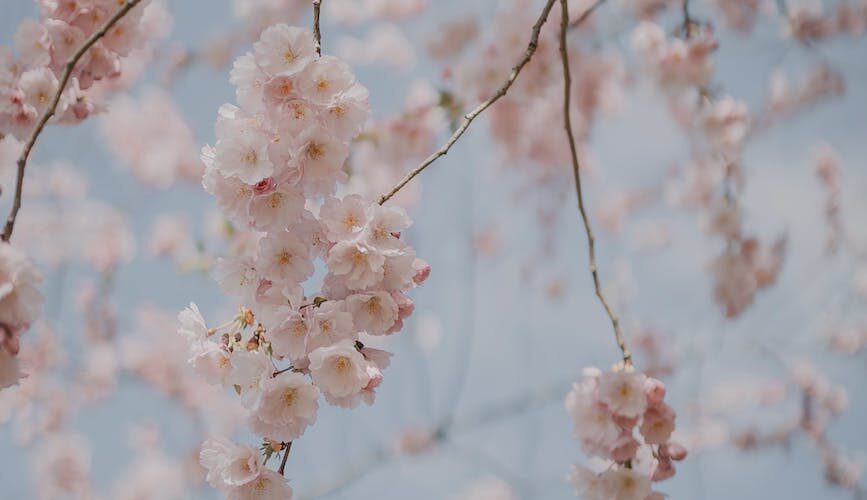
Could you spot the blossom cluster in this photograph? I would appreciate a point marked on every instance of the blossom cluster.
(132, 126)
(29, 81)
(275, 169)
(20, 304)
(676, 62)
(614, 414)
(820, 403)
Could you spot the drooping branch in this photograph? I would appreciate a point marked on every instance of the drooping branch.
(49, 112)
(469, 117)
(317, 31)
(576, 169)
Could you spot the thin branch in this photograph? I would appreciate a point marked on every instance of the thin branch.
(317, 32)
(576, 169)
(48, 113)
(687, 20)
(282, 468)
(469, 117)
(584, 15)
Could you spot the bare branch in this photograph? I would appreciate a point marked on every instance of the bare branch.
(576, 169)
(288, 448)
(40, 125)
(501, 92)
(317, 32)
(469, 117)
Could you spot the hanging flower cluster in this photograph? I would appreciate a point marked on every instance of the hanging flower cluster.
(29, 81)
(275, 168)
(615, 413)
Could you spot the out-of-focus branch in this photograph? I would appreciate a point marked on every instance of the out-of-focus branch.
(443, 432)
(469, 117)
(317, 32)
(584, 15)
(576, 169)
(49, 112)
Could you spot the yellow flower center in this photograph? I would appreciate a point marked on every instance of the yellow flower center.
(342, 364)
(276, 199)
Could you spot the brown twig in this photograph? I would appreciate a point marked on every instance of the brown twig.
(48, 113)
(576, 169)
(282, 468)
(317, 32)
(584, 15)
(469, 117)
(688, 22)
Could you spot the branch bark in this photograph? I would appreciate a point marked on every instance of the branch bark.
(282, 468)
(317, 32)
(49, 112)
(576, 169)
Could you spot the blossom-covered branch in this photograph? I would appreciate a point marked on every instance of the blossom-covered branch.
(52, 108)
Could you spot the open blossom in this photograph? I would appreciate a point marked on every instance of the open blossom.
(339, 370)
(623, 393)
(268, 485)
(192, 324)
(63, 466)
(229, 464)
(284, 50)
(287, 407)
(250, 371)
(374, 312)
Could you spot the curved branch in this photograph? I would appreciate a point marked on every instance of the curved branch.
(501, 92)
(317, 32)
(576, 169)
(469, 117)
(49, 112)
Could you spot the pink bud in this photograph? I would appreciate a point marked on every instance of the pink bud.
(624, 448)
(654, 390)
(81, 110)
(422, 271)
(675, 451)
(266, 185)
(662, 470)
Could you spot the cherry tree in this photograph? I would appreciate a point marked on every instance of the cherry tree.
(260, 277)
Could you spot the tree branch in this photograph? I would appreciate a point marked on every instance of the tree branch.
(576, 169)
(501, 92)
(282, 468)
(584, 15)
(469, 117)
(317, 32)
(48, 113)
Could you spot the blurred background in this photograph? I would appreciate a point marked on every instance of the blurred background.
(508, 318)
